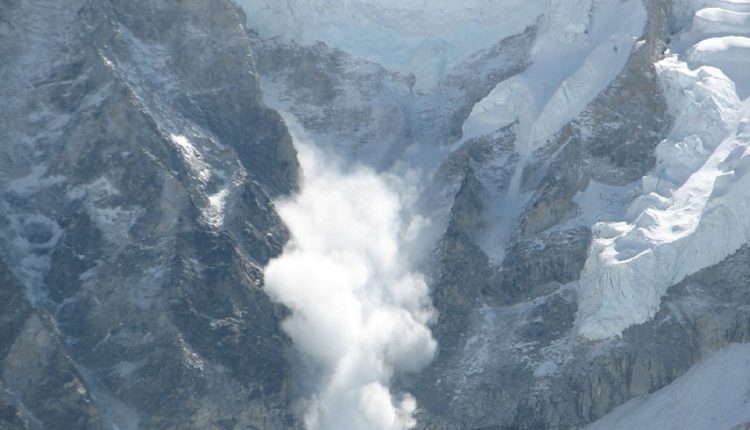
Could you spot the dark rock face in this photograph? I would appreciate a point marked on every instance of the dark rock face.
(515, 362)
(41, 387)
(138, 165)
(611, 142)
(539, 266)
(463, 267)
(509, 357)
(138, 169)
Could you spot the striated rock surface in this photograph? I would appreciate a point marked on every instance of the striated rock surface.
(136, 172)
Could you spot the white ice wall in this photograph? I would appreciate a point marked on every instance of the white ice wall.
(692, 209)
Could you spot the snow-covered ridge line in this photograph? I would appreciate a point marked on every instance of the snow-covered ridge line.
(409, 36)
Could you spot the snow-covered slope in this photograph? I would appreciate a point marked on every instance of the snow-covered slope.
(719, 37)
(718, 21)
(541, 173)
(691, 211)
(571, 64)
(715, 395)
(729, 53)
(574, 58)
(421, 37)
(560, 146)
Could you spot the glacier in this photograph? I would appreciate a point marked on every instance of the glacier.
(571, 63)
(682, 216)
(690, 197)
(690, 213)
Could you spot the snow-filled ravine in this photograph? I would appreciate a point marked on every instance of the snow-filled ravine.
(574, 57)
(570, 65)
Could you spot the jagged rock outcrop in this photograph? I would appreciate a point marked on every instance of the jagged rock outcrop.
(41, 387)
(141, 155)
(137, 171)
(517, 226)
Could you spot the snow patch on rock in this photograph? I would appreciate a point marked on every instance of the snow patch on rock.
(113, 219)
(192, 157)
(216, 204)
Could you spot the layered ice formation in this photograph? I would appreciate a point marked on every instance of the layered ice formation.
(729, 53)
(691, 213)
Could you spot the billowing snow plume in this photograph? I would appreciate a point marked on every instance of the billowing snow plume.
(359, 312)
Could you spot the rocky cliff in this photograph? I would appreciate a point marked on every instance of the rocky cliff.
(138, 166)
(578, 169)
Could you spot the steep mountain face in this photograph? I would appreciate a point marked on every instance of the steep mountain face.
(576, 170)
(138, 164)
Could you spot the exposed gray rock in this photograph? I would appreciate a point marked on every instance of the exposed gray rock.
(513, 361)
(463, 267)
(541, 377)
(611, 142)
(471, 81)
(539, 266)
(137, 172)
(41, 387)
(137, 180)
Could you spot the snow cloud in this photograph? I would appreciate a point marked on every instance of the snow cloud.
(360, 311)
